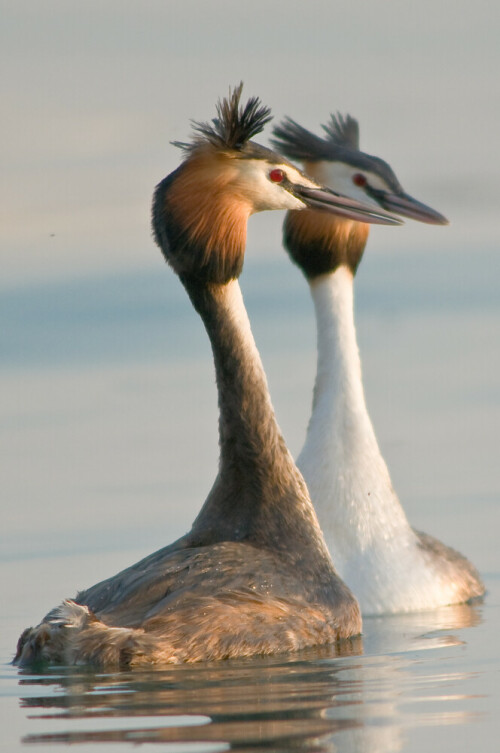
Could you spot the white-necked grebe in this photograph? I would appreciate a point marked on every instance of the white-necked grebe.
(389, 566)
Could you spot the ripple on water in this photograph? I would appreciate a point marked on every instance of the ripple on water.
(323, 700)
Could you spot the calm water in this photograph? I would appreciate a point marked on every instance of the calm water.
(99, 432)
(108, 420)
(412, 684)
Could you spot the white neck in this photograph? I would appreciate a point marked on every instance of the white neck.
(376, 552)
(341, 462)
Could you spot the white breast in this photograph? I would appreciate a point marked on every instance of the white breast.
(370, 540)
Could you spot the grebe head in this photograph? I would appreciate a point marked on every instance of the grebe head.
(337, 161)
(200, 211)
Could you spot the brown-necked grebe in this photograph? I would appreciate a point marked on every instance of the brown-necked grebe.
(253, 576)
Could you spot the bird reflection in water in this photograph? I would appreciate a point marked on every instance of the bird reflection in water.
(314, 701)
(276, 700)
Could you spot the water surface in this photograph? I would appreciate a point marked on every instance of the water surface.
(108, 417)
(108, 426)
(412, 683)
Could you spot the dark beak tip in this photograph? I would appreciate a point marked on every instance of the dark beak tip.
(325, 199)
(437, 219)
(406, 206)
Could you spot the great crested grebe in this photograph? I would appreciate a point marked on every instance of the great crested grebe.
(253, 576)
(388, 565)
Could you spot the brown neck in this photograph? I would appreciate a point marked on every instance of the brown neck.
(320, 243)
(200, 218)
(258, 496)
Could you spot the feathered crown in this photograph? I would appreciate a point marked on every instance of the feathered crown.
(342, 132)
(341, 144)
(234, 125)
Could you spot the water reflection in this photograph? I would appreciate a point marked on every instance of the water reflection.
(420, 630)
(275, 700)
(315, 701)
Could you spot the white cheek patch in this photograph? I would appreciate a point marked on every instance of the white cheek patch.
(265, 193)
(295, 176)
(339, 177)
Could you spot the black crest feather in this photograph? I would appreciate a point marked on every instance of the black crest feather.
(343, 130)
(340, 144)
(234, 125)
(298, 143)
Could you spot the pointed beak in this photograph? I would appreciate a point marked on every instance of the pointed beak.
(329, 201)
(407, 206)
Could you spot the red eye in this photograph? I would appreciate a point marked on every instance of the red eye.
(359, 179)
(276, 175)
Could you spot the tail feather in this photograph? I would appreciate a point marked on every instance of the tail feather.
(72, 634)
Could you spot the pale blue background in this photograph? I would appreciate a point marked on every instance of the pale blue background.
(108, 436)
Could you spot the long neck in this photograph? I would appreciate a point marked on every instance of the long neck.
(338, 368)
(259, 495)
(341, 461)
(339, 420)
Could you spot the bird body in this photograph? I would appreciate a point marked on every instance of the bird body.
(389, 566)
(253, 576)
